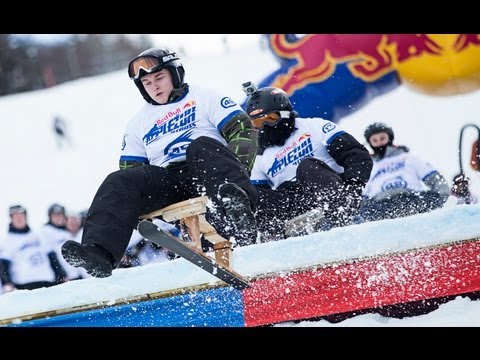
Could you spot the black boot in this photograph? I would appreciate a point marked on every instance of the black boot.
(238, 210)
(96, 260)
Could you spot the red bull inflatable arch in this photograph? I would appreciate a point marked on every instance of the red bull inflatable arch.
(340, 73)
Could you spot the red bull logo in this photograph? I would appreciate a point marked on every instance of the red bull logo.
(189, 104)
(303, 137)
(169, 115)
(368, 56)
(464, 40)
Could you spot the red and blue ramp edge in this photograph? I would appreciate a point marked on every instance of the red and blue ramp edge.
(413, 275)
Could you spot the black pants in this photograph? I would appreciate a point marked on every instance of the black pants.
(401, 205)
(316, 185)
(126, 194)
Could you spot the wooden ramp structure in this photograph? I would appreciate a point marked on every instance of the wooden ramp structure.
(417, 274)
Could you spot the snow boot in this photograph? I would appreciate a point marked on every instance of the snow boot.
(238, 211)
(97, 261)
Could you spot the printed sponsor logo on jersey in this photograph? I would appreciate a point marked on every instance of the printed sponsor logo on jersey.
(291, 155)
(178, 147)
(328, 127)
(303, 137)
(189, 104)
(32, 244)
(396, 183)
(181, 122)
(286, 150)
(124, 141)
(389, 169)
(175, 112)
(226, 102)
(169, 115)
(291, 146)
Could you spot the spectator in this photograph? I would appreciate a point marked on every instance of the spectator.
(62, 136)
(26, 261)
(141, 252)
(75, 224)
(55, 233)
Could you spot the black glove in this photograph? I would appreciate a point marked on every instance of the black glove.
(460, 185)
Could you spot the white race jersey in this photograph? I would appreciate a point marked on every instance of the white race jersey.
(399, 171)
(28, 255)
(55, 237)
(278, 164)
(162, 133)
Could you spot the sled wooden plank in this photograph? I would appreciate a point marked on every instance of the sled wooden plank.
(190, 212)
(180, 210)
(193, 228)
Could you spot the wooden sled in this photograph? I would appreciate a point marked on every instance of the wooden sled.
(191, 214)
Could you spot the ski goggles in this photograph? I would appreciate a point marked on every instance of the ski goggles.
(270, 119)
(147, 65)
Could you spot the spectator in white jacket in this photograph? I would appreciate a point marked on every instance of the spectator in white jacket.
(26, 260)
(55, 233)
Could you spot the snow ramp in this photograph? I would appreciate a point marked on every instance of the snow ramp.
(357, 267)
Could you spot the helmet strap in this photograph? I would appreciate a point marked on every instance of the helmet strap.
(177, 93)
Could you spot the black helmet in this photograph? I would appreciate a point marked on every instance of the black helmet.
(56, 209)
(376, 128)
(153, 60)
(266, 100)
(83, 216)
